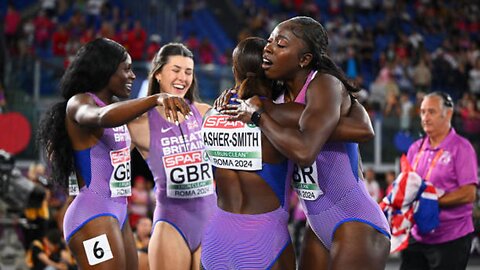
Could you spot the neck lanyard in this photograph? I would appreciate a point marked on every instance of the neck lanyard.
(432, 164)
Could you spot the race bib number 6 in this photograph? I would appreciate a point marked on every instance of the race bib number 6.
(97, 249)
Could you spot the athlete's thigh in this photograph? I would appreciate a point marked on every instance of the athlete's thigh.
(286, 260)
(196, 258)
(99, 245)
(358, 246)
(313, 254)
(167, 249)
(131, 253)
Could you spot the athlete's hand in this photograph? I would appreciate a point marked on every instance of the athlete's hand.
(172, 105)
(243, 110)
(223, 99)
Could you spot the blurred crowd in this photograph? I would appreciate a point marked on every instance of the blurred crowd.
(397, 51)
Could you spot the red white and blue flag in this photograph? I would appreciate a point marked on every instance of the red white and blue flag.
(412, 200)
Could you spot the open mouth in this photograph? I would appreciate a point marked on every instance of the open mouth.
(179, 87)
(266, 64)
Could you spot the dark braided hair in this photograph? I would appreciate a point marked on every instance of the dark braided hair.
(90, 71)
(316, 40)
(247, 66)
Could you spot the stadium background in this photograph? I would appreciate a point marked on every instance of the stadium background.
(395, 50)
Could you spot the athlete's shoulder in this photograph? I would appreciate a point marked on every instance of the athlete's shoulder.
(202, 107)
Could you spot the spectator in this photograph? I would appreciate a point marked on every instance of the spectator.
(48, 252)
(474, 78)
(421, 76)
(471, 121)
(43, 30)
(406, 111)
(3, 100)
(389, 179)
(142, 238)
(372, 185)
(139, 201)
(59, 41)
(37, 216)
(137, 40)
(206, 52)
(154, 46)
(12, 25)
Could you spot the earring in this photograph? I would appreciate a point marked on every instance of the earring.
(301, 66)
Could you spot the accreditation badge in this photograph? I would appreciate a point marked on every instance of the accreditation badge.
(189, 175)
(232, 144)
(305, 182)
(120, 180)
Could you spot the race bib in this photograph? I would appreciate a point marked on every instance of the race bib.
(305, 182)
(73, 188)
(189, 175)
(120, 184)
(97, 249)
(232, 144)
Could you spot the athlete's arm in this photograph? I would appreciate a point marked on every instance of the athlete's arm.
(82, 109)
(317, 121)
(356, 126)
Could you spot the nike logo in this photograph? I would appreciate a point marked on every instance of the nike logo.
(166, 129)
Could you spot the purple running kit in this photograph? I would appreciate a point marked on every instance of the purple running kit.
(105, 168)
(184, 188)
(331, 190)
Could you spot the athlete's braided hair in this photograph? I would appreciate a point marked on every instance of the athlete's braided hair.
(316, 40)
(90, 71)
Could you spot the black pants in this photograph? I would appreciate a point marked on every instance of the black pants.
(451, 255)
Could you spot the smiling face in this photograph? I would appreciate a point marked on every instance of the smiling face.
(176, 76)
(284, 53)
(120, 84)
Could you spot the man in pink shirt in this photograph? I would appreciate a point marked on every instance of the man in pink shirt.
(449, 162)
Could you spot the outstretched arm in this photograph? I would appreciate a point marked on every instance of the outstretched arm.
(82, 109)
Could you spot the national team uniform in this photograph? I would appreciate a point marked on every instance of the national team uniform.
(105, 168)
(331, 190)
(244, 241)
(184, 188)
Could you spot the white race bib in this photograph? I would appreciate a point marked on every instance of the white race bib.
(305, 182)
(73, 188)
(189, 175)
(97, 249)
(120, 184)
(232, 144)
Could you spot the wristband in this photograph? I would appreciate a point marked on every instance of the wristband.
(255, 118)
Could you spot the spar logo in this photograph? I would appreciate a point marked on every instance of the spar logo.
(221, 121)
(120, 156)
(187, 168)
(183, 159)
(120, 160)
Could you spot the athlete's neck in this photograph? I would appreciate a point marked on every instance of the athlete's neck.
(295, 85)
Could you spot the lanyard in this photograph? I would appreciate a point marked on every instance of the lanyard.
(432, 164)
